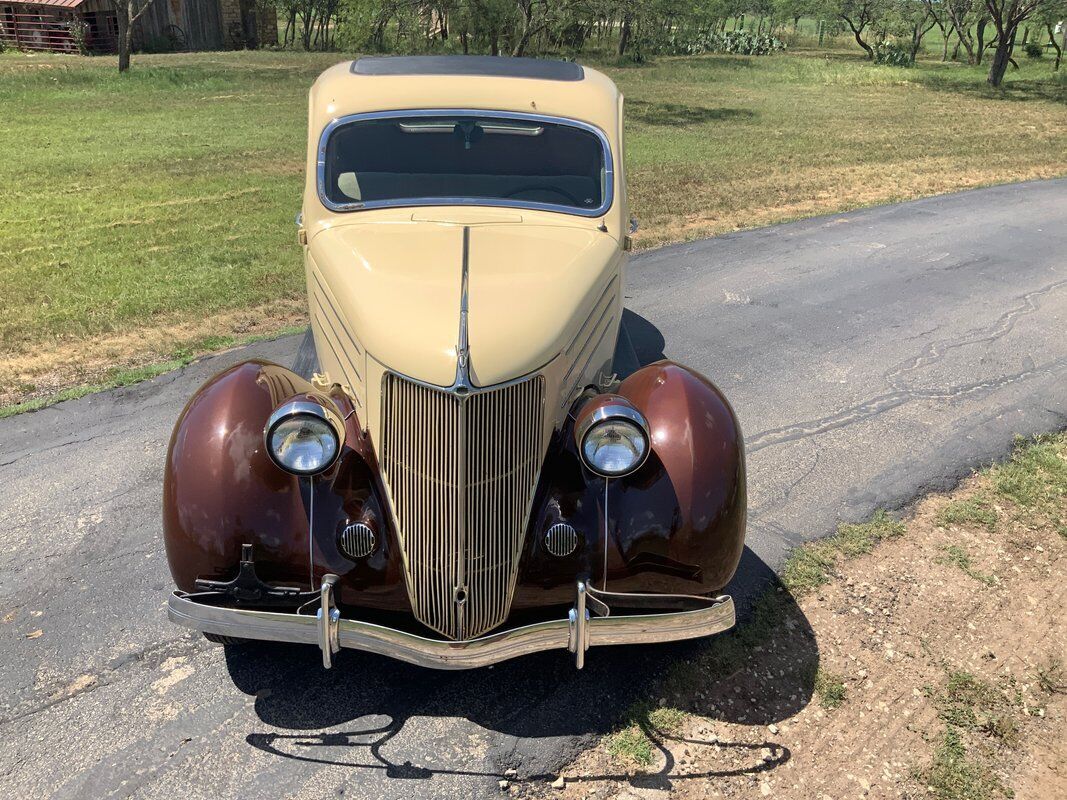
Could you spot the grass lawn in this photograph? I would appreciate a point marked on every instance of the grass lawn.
(152, 214)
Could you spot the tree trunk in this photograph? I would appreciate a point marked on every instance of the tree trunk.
(858, 33)
(624, 35)
(980, 40)
(1001, 56)
(526, 10)
(1055, 44)
(125, 12)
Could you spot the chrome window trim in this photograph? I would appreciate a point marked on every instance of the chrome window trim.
(608, 188)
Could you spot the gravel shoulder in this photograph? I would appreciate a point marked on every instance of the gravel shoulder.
(936, 664)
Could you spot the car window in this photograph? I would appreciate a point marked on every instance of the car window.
(505, 161)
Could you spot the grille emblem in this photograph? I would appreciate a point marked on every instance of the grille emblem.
(358, 540)
(561, 540)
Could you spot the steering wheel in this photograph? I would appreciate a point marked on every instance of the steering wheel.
(551, 189)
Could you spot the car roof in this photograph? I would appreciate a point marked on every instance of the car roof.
(490, 83)
(489, 66)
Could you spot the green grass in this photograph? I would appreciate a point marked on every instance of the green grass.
(829, 688)
(975, 510)
(168, 194)
(955, 775)
(1035, 478)
(974, 712)
(1050, 676)
(812, 565)
(642, 725)
(974, 704)
(957, 556)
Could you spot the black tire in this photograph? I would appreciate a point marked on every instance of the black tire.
(219, 639)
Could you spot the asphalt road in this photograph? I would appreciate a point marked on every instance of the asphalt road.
(871, 357)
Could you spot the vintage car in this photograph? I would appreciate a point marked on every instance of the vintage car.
(463, 478)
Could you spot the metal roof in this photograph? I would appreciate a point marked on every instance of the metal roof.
(53, 3)
(486, 66)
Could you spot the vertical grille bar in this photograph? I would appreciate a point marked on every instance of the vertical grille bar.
(461, 473)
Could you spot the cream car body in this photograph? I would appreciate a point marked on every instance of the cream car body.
(385, 284)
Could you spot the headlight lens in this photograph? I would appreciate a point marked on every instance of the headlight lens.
(615, 441)
(302, 438)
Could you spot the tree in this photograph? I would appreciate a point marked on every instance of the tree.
(127, 12)
(938, 11)
(1049, 15)
(963, 15)
(859, 15)
(1007, 16)
(913, 20)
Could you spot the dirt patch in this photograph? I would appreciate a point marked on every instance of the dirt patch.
(930, 663)
(44, 372)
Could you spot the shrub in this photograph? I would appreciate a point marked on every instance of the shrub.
(1034, 50)
(79, 32)
(892, 54)
(742, 43)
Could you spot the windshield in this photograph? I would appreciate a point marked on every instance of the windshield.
(419, 159)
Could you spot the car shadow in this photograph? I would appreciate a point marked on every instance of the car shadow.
(345, 716)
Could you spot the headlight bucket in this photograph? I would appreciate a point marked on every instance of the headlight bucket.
(304, 437)
(612, 436)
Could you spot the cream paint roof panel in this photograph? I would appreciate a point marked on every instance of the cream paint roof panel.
(399, 287)
(339, 92)
(530, 287)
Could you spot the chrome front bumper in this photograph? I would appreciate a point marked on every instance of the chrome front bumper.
(577, 633)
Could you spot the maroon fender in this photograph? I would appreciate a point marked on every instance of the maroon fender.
(676, 525)
(696, 471)
(221, 490)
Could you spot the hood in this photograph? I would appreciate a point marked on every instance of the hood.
(398, 284)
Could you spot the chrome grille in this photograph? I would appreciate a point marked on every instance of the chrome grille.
(461, 472)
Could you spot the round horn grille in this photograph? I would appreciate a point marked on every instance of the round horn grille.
(358, 540)
(561, 539)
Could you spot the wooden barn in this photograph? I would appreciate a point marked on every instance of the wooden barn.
(89, 26)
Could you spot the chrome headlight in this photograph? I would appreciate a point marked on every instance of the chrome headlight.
(303, 437)
(613, 440)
